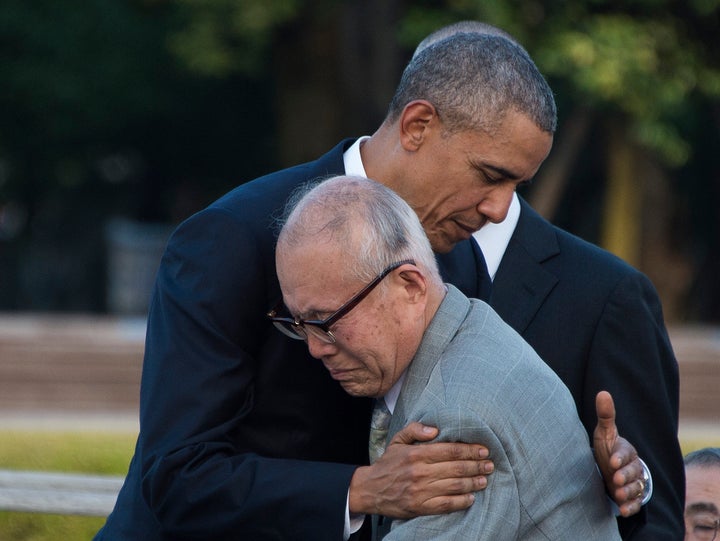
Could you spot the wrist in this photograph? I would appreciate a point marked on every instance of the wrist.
(359, 501)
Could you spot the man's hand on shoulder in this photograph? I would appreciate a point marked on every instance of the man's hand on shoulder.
(409, 480)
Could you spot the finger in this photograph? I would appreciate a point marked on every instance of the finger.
(635, 490)
(439, 451)
(439, 469)
(605, 409)
(413, 433)
(629, 473)
(630, 508)
(459, 469)
(448, 504)
(450, 452)
(450, 486)
(439, 460)
(634, 493)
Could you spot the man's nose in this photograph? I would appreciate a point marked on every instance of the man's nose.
(319, 348)
(496, 204)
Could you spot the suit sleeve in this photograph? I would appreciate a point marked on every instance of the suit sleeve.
(495, 514)
(544, 485)
(205, 332)
(631, 357)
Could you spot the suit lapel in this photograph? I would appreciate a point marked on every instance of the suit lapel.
(443, 327)
(522, 281)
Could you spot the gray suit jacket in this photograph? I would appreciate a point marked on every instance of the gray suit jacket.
(479, 381)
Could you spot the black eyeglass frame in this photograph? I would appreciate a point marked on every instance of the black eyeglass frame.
(299, 328)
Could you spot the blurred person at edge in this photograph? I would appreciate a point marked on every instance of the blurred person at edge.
(702, 494)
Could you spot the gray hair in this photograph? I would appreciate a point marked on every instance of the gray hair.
(375, 224)
(467, 27)
(706, 457)
(473, 80)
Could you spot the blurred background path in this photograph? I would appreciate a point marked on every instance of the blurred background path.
(61, 372)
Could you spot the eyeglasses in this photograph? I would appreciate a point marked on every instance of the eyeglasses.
(299, 329)
(702, 528)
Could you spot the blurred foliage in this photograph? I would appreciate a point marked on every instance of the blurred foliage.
(73, 67)
(90, 94)
(98, 119)
(224, 36)
(646, 60)
(148, 109)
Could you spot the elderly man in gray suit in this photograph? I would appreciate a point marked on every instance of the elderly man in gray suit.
(430, 354)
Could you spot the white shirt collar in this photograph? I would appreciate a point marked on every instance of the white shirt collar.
(352, 160)
(393, 394)
(493, 239)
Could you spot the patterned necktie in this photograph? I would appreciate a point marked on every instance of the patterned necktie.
(379, 425)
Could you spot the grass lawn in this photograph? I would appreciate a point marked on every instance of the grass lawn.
(83, 452)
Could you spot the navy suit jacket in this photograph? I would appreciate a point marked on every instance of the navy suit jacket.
(243, 435)
(228, 405)
(598, 323)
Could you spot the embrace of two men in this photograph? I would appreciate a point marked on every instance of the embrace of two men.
(243, 435)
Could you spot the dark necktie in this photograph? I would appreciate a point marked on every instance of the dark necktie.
(464, 267)
(484, 282)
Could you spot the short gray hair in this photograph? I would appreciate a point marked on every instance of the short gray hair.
(706, 457)
(375, 224)
(473, 80)
(468, 27)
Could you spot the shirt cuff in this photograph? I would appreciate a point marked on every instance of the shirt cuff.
(352, 522)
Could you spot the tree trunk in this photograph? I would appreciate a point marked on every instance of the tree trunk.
(335, 74)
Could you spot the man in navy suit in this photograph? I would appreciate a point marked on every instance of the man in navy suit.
(242, 434)
(598, 323)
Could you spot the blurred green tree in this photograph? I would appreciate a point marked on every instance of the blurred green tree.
(162, 103)
(98, 119)
(636, 82)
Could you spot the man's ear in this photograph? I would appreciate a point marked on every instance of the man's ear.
(414, 283)
(415, 123)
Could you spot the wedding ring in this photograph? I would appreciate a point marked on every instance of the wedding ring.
(642, 489)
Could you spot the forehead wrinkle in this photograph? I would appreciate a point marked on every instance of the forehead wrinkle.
(328, 292)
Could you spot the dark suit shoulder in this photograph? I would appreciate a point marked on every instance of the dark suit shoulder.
(272, 190)
(567, 254)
